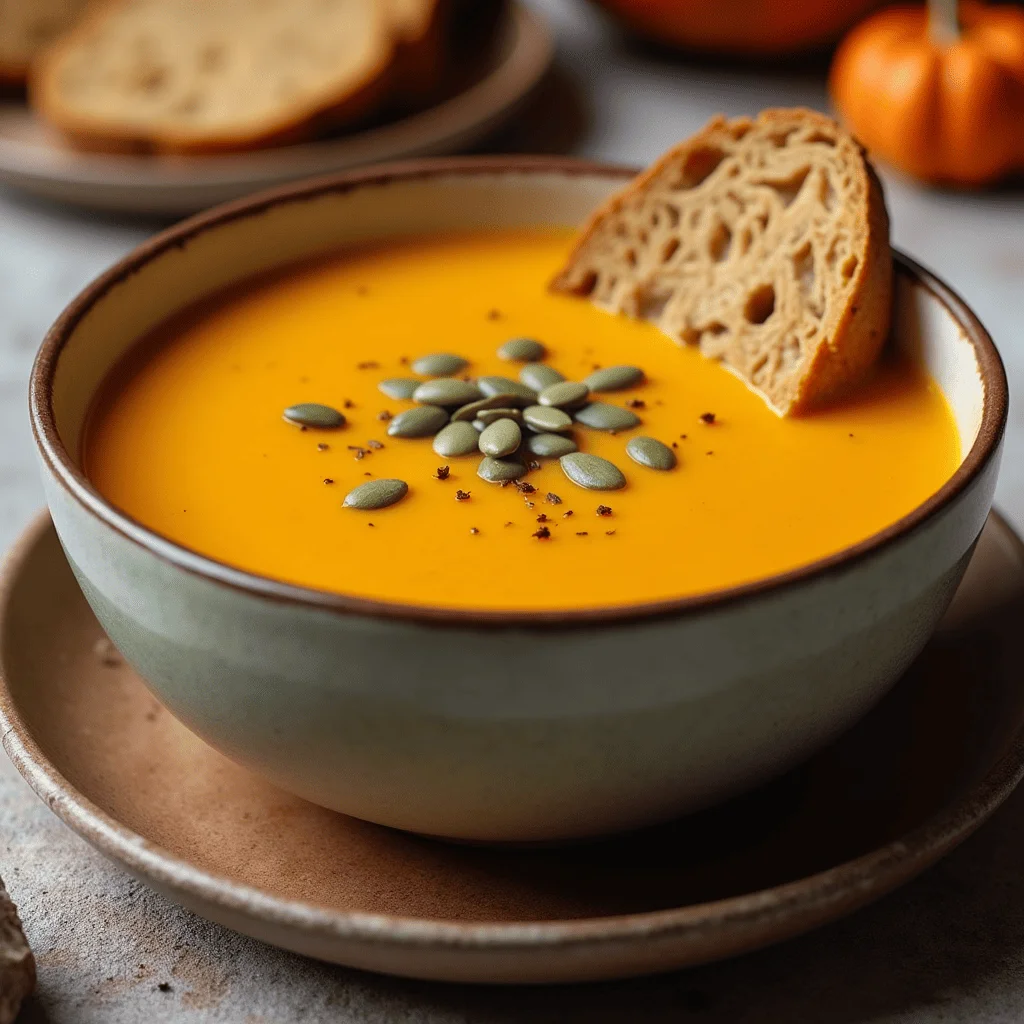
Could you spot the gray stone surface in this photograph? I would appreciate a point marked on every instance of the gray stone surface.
(947, 948)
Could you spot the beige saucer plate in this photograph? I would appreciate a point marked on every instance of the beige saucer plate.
(912, 780)
(36, 160)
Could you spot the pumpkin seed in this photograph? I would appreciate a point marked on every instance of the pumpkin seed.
(521, 350)
(489, 416)
(614, 378)
(539, 376)
(550, 446)
(376, 494)
(592, 472)
(446, 391)
(312, 414)
(651, 453)
(491, 386)
(423, 421)
(439, 364)
(501, 438)
(456, 439)
(602, 416)
(566, 394)
(546, 420)
(495, 470)
(400, 388)
(469, 412)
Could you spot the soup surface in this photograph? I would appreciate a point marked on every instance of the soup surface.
(188, 438)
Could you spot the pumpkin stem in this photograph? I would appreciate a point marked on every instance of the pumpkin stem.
(943, 21)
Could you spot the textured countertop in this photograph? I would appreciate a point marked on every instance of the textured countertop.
(949, 947)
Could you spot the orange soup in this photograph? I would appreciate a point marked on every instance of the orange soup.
(189, 439)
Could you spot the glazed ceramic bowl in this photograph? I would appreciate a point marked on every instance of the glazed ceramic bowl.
(424, 719)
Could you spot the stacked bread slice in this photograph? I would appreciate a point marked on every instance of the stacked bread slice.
(199, 76)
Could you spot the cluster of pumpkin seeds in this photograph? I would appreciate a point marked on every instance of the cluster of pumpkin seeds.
(509, 423)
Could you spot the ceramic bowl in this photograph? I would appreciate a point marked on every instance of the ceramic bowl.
(423, 719)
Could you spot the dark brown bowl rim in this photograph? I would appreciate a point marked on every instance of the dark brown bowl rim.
(74, 482)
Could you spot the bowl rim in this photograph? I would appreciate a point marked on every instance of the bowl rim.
(70, 477)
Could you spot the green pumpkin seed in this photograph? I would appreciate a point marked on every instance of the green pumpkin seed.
(540, 376)
(495, 470)
(456, 439)
(471, 411)
(546, 420)
(312, 414)
(615, 378)
(550, 446)
(492, 386)
(446, 391)
(521, 350)
(501, 438)
(592, 472)
(376, 494)
(439, 364)
(400, 388)
(567, 394)
(602, 416)
(424, 421)
(651, 453)
(490, 416)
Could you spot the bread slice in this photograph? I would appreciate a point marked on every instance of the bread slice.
(26, 28)
(765, 242)
(193, 76)
(421, 38)
(17, 965)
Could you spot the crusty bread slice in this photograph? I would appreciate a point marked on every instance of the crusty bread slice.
(765, 242)
(17, 965)
(421, 37)
(26, 28)
(187, 76)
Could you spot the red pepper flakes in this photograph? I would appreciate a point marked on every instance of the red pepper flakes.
(707, 417)
(328, 480)
(442, 473)
(383, 415)
(553, 499)
(462, 495)
(367, 364)
(604, 510)
(543, 533)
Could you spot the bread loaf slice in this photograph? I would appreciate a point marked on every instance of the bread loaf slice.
(17, 965)
(421, 37)
(193, 76)
(765, 242)
(26, 28)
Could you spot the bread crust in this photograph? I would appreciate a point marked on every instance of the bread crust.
(345, 106)
(713, 182)
(17, 965)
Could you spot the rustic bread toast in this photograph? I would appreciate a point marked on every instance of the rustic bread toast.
(765, 242)
(179, 76)
(17, 965)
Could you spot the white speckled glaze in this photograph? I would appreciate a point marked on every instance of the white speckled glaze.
(425, 719)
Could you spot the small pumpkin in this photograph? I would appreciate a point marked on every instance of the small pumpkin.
(751, 28)
(939, 91)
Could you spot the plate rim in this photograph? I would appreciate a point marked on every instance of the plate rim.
(527, 55)
(796, 906)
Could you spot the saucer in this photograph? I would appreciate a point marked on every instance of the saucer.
(906, 785)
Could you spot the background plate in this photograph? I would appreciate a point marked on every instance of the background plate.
(35, 159)
(907, 784)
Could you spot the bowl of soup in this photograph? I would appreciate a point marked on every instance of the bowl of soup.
(498, 661)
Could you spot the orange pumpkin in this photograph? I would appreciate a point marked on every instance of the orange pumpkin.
(937, 92)
(762, 28)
